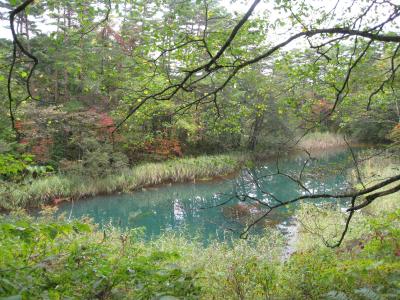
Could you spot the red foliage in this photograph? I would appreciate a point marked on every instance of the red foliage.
(106, 122)
(42, 149)
(164, 147)
(24, 141)
(18, 125)
(38, 139)
(40, 146)
(106, 125)
(127, 46)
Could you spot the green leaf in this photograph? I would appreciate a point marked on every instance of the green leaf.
(336, 295)
(367, 293)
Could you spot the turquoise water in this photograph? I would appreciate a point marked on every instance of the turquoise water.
(195, 208)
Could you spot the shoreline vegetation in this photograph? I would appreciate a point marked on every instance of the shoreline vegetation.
(322, 141)
(58, 258)
(54, 189)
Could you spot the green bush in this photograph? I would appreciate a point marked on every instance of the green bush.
(373, 127)
(12, 166)
(97, 160)
(49, 259)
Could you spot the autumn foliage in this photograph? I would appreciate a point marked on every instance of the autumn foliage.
(394, 134)
(164, 147)
(40, 128)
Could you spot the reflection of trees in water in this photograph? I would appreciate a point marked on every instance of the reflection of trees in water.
(333, 187)
(244, 199)
(261, 191)
(246, 213)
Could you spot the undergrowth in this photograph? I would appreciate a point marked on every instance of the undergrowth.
(59, 259)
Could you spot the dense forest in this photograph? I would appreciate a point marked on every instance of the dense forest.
(199, 149)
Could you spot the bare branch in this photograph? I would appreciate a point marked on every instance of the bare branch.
(17, 43)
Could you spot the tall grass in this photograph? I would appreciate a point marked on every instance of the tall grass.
(44, 190)
(321, 141)
(372, 172)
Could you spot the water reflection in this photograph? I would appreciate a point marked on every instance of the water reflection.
(197, 208)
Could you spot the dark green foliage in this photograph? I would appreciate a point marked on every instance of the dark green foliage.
(60, 260)
(96, 159)
(373, 127)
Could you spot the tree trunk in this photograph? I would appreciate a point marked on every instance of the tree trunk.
(255, 131)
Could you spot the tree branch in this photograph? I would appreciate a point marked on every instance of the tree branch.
(17, 43)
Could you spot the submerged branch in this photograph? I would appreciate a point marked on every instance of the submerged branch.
(353, 195)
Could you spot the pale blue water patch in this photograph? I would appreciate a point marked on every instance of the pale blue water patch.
(195, 208)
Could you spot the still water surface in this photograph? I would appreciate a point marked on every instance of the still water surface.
(193, 208)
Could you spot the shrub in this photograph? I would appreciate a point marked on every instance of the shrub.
(53, 259)
(12, 166)
(48, 258)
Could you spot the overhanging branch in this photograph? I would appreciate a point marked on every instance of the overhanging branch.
(17, 44)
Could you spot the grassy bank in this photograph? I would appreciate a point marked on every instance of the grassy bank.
(321, 141)
(44, 190)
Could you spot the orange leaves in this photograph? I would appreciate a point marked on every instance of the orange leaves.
(394, 134)
(41, 149)
(321, 107)
(18, 125)
(164, 147)
(106, 125)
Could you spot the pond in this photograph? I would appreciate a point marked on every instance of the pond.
(195, 208)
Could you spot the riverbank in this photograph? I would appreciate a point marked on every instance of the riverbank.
(54, 189)
(318, 141)
(316, 144)
(57, 188)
